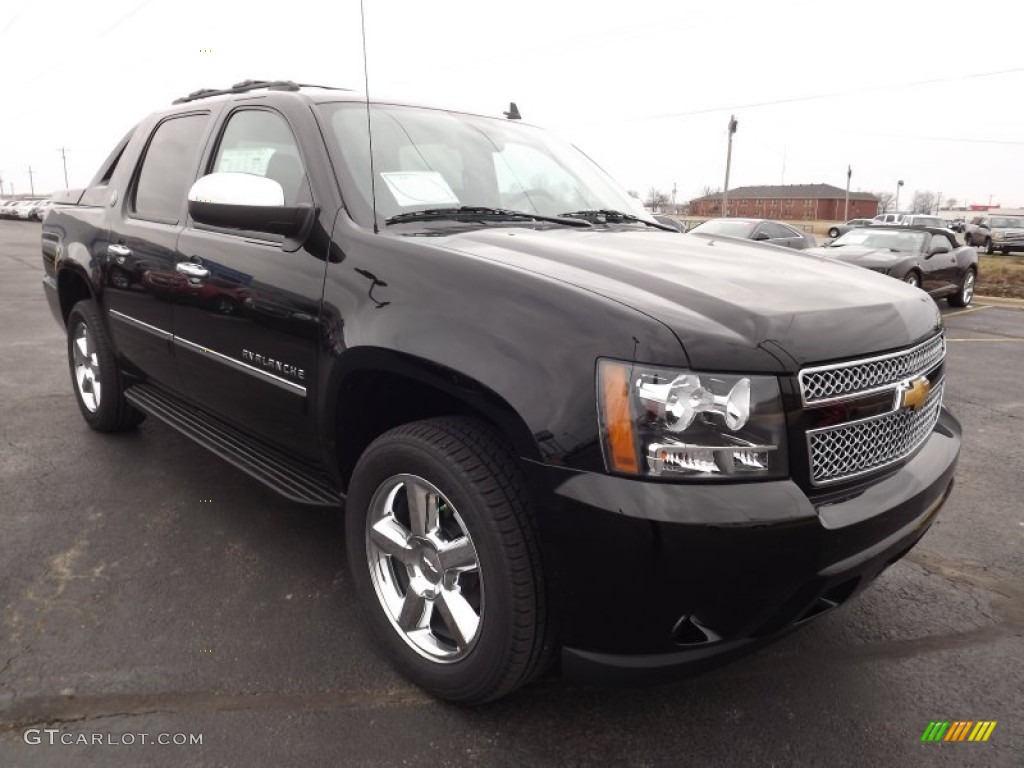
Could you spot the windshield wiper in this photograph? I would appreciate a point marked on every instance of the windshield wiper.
(608, 216)
(477, 212)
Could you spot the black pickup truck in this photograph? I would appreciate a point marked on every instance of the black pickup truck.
(561, 436)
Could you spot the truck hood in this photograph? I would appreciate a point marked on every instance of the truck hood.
(733, 304)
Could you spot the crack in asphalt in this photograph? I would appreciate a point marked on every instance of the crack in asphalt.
(50, 710)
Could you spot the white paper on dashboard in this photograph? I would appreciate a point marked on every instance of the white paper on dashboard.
(419, 188)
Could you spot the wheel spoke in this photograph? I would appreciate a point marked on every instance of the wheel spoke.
(459, 555)
(422, 508)
(391, 538)
(459, 616)
(81, 348)
(413, 611)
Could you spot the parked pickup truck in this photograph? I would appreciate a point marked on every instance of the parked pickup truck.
(560, 435)
(996, 233)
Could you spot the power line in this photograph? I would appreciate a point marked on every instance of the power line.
(809, 97)
(15, 17)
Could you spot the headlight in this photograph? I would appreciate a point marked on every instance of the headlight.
(997, 235)
(664, 422)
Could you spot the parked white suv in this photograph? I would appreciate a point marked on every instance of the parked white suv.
(889, 218)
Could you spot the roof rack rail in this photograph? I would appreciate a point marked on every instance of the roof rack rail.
(251, 85)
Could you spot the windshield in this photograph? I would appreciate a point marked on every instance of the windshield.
(427, 159)
(727, 227)
(872, 237)
(1006, 222)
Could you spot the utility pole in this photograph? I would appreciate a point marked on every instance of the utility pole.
(938, 204)
(728, 163)
(846, 209)
(31, 182)
(64, 157)
(898, 185)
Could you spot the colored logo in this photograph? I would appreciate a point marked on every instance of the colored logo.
(959, 730)
(914, 393)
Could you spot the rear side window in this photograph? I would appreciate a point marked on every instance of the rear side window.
(168, 168)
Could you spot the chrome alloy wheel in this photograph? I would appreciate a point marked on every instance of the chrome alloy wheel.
(87, 367)
(424, 568)
(968, 292)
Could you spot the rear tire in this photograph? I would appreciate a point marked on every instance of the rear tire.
(464, 474)
(833, 233)
(913, 278)
(965, 293)
(95, 375)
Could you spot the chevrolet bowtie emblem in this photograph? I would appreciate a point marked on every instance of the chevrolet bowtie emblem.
(914, 392)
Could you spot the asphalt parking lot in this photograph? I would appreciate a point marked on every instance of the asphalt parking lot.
(147, 587)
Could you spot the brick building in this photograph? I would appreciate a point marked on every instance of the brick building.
(791, 202)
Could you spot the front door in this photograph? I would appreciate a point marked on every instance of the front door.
(247, 314)
(138, 263)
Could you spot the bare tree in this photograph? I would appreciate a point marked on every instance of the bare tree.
(951, 203)
(707, 191)
(656, 198)
(633, 193)
(923, 202)
(885, 201)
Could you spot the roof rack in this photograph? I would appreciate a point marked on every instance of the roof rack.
(251, 85)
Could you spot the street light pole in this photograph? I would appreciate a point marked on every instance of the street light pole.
(728, 164)
(898, 185)
(64, 157)
(846, 209)
(31, 182)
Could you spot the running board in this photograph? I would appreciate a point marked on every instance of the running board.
(281, 473)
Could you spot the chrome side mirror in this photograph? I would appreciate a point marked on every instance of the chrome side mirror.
(248, 202)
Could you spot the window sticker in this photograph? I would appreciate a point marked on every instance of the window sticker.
(245, 160)
(419, 188)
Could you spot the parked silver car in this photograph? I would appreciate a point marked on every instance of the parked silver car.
(762, 230)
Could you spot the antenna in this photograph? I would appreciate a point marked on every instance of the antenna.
(369, 130)
(513, 112)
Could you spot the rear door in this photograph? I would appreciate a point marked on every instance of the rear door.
(247, 323)
(138, 263)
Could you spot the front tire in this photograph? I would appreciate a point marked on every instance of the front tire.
(833, 233)
(442, 547)
(988, 246)
(95, 375)
(913, 279)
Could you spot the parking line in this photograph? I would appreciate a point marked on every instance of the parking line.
(968, 311)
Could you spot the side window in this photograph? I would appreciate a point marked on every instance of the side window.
(939, 240)
(260, 142)
(775, 231)
(168, 168)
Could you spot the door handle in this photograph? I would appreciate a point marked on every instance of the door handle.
(191, 269)
(118, 250)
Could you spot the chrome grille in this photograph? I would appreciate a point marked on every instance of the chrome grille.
(852, 449)
(826, 383)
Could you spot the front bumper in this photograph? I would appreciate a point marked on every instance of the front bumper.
(652, 579)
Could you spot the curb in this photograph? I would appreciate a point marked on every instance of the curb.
(1000, 301)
